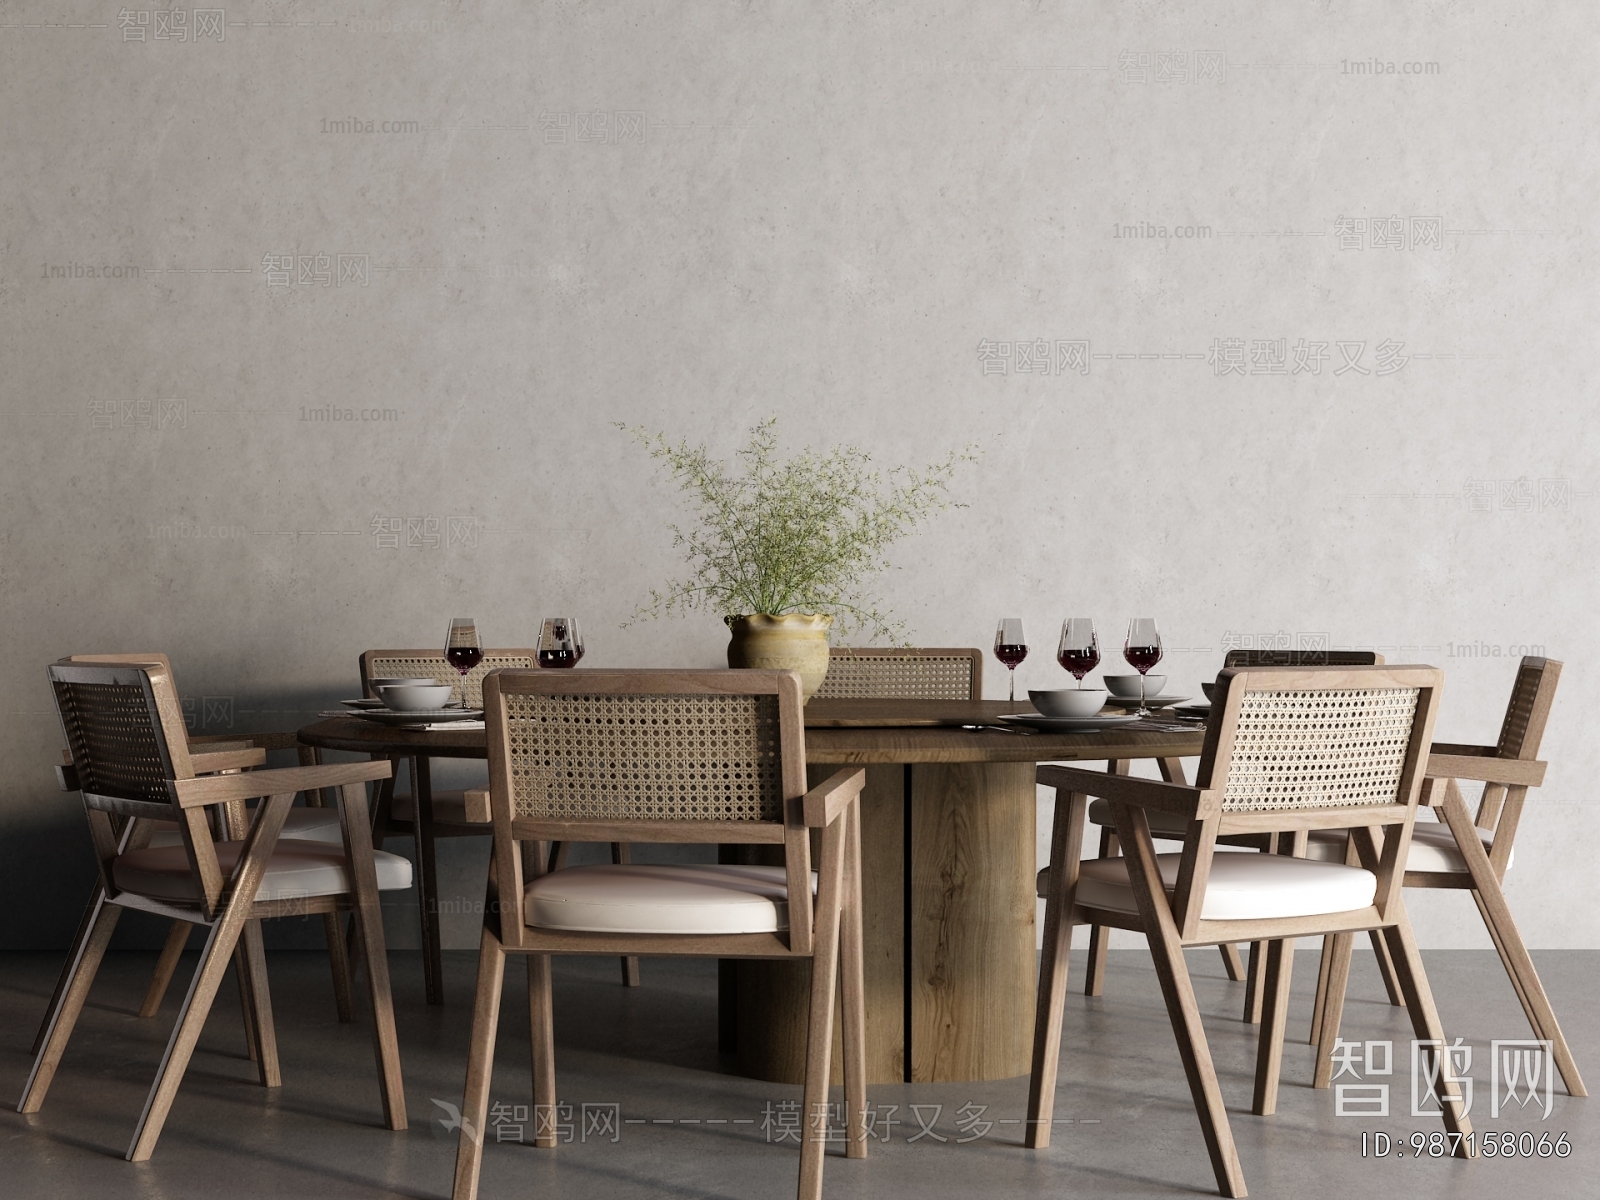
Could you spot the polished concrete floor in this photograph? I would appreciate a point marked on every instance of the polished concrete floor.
(686, 1127)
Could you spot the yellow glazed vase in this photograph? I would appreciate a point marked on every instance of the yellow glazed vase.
(793, 642)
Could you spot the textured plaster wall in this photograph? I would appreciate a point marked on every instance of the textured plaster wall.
(858, 217)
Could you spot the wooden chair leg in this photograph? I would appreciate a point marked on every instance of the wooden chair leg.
(79, 940)
(1094, 976)
(1255, 983)
(819, 1051)
(1053, 964)
(339, 964)
(221, 940)
(1386, 970)
(1231, 962)
(630, 962)
(427, 878)
(1275, 1017)
(1530, 990)
(474, 1114)
(79, 974)
(247, 1003)
(1425, 1020)
(1324, 965)
(266, 1035)
(1178, 991)
(853, 995)
(1338, 949)
(368, 914)
(171, 952)
(542, 1039)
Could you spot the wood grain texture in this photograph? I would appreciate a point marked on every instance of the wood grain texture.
(973, 904)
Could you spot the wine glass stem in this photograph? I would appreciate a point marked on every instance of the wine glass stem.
(1013, 672)
(1142, 709)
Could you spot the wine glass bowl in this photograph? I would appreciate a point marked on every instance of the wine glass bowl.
(1010, 647)
(1079, 649)
(1142, 649)
(463, 650)
(560, 642)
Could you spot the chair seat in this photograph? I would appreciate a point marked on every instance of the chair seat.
(1433, 848)
(1242, 887)
(651, 898)
(297, 869)
(449, 806)
(302, 824)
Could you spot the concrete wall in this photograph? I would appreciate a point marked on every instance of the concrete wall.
(504, 227)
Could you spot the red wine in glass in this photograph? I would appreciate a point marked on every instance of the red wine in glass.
(1142, 649)
(558, 658)
(463, 650)
(1079, 662)
(1141, 658)
(560, 642)
(1011, 647)
(463, 658)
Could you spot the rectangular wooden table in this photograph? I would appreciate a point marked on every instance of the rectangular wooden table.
(948, 845)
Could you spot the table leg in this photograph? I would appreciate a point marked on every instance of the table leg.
(973, 905)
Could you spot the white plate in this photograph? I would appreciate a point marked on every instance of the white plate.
(1150, 702)
(1067, 724)
(386, 716)
(369, 702)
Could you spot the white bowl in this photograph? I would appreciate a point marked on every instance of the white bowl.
(1126, 687)
(1069, 702)
(401, 681)
(416, 697)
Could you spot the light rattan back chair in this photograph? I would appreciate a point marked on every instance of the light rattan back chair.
(1287, 751)
(904, 673)
(665, 756)
(1470, 853)
(1172, 771)
(131, 762)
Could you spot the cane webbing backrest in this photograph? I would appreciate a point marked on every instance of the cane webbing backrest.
(1320, 748)
(1523, 727)
(667, 757)
(909, 674)
(431, 664)
(111, 719)
(1302, 658)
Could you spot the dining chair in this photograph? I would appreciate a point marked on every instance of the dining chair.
(902, 673)
(1172, 772)
(130, 759)
(425, 813)
(665, 756)
(226, 754)
(1468, 853)
(1287, 751)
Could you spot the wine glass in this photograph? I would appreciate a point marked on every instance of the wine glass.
(1143, 651)
(463, 650)
(560, 643)
(1079, 651)
(1010, 647)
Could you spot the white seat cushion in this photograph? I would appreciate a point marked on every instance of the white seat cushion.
(448, 806)
(304, 824)
(645, 898)
(296, 869)
(1433, 847)
(1242, 887)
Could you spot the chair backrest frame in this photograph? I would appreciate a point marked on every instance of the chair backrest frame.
(432, 662)
(513, 861)
(902, 672)
(1533, 692)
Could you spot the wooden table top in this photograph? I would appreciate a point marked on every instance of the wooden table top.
(843, 731)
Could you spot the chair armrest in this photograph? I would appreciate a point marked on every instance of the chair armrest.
(1464, 750)
(284, 740)
(213, 761)
(1191, 802)
(1511, 772)
(828, 799)
(478, 807)
(219, 789)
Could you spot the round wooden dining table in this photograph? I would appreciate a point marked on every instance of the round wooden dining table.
(948, 846)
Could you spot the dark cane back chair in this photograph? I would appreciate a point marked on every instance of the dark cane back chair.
(132, 764)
